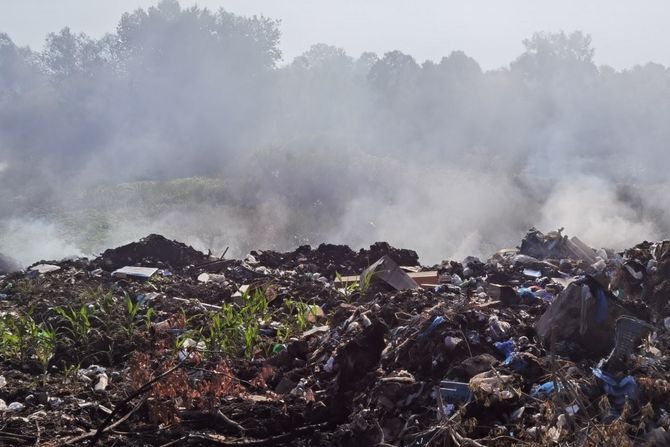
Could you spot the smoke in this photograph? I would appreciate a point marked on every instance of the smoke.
(589, 207)
(184, 123)
(32, 240)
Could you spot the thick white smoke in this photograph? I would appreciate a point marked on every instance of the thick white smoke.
(183, 123)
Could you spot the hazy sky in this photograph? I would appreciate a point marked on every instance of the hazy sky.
(624, 32)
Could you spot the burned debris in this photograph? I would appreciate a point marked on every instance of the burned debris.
(155, 343)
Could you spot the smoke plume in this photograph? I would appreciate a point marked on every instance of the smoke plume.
(186, 122)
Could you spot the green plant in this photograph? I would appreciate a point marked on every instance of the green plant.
(349, 289)
(251, 336)
(284, 333)
(367, 280)
(70, 372)
(22, 338)
(236, 328)
(132, 310)
(148, 315)
(45, 344)
(255, 306)
(103, 300)
(253, 311)
(217, 333)
(14, 340)
(301, 310)
(77, 323)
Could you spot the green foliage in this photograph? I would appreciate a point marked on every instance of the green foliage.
(70, 372)
(301, 311)
(45, 344)
(367, 280)
(236, 328)
(218, 332)
(76, 322)
(148, 315)
(102, 299)
(349, 289)
(251, 336)
(132, 311)
(15, 336)
(22, 338)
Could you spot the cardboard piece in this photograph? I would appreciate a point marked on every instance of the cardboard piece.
(385, 269)
(135, 272)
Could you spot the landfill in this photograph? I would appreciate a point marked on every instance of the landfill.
(157, 344)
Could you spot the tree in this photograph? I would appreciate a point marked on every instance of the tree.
(555, 55)
(394, 71)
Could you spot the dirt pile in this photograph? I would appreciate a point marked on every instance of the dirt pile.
(329, 259)
(151, 251)
(564, 347)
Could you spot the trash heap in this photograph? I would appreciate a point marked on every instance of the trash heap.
(155, 343)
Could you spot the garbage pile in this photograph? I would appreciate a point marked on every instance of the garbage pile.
(155, 343)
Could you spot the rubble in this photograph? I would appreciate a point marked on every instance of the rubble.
(554, 342)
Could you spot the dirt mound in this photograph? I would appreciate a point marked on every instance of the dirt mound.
(329, 259)
(152, 251)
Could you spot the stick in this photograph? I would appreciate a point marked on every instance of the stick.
(110, 427)
(272, 440)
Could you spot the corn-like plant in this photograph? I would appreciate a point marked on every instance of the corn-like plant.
(251, 336)
(77, 324)
(349, 289)
(148, 315)
(45, 344)
(132, 310)
(301, 310)
(22, 338)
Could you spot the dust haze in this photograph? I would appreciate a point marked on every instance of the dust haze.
(185, 122)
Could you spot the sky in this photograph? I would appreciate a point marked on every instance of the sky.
(625, 33)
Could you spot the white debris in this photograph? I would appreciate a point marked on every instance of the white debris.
(102, 383)
(43, 269)
(136, 272)
(15, 407)
(452, 342)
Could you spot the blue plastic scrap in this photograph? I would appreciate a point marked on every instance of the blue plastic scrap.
(512, 359)
(506, 347)
(546, 296)
(545, 389)
(436, 322)
(617, 391)
(526, 295)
